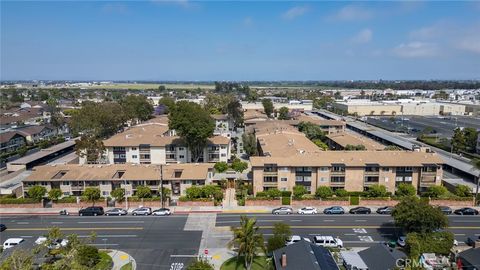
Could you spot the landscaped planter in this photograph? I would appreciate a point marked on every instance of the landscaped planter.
(276, 202)
(23, 205)
(301, 203)
(195, 203)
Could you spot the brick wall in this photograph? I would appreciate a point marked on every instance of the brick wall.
(378, 202)
(302, 203)
(26, 205)
(263, 202)
(452, 203)
(195, 203)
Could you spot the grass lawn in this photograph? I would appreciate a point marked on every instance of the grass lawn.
(105, 262)
(127, 266)
(259, 263)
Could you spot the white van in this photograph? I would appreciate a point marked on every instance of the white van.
(11, 242)
(327, 241)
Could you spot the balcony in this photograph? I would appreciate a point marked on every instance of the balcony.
(274, 173)
(270, 184)
(337, 184)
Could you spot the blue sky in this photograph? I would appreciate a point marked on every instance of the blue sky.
(186, 40)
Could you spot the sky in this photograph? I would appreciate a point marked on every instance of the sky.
(242, 40)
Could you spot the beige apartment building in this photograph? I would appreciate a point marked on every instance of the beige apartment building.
(154, 143)
(349, 170)
(73, 179)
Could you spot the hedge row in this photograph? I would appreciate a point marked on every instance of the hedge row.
(17, 200)
(185, 199)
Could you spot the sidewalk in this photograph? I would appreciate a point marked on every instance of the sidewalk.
(120, 259)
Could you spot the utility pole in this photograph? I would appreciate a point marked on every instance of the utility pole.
(161, 187)
(125, 194)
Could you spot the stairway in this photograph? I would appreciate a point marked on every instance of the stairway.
(229, 200)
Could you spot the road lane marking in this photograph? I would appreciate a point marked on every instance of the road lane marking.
(329, 220)
(360, 226)
(365, 238)
(360, 230)
(349, 234)
(56, 222)
(109, 222)
(466, 221)
(26, 236)
(78, 229)
(360, 220)
(183, 256)
(296, 220)
(459, 234)
(110, 235)
(102, 245)
(23, 223)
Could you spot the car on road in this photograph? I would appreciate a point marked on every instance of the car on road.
(295, 238)
(446, 210)
(327, 241)
(145, 211)
(282, 211)
(116, 212)
(402, 241)
(466, 211)
(360, 210)
(91, 211)
(386, 210)
(11, 242)
(307, 211)
(2, 227)
(41, 240)
(334, 210)
(162, 212)
(59, 243)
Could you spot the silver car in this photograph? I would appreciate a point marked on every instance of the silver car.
(282, 211)
(145, 211)
(116, 212)
(162, 212)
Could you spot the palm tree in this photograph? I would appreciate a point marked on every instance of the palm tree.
(248, 240)
(476, 164)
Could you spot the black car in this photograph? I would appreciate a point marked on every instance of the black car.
(446, 210)
(2, 227)
(466, 211)
(360, 210)
(91, 211)
(386, 210)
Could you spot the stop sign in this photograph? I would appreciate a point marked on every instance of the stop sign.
(205, 251)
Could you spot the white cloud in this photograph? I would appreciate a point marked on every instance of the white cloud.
(295, 12)
(416, 49)
(247, 21)
(352, 13)
(469, 43)
(364, 36)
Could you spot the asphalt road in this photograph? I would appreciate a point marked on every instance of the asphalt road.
(354, 230)
(154, 242)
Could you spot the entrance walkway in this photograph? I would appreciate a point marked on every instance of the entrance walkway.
(229, 200)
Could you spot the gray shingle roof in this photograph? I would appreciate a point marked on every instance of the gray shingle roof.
(304, 255)
(388, 256)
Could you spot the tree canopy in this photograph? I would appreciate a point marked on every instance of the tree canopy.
(248, 240)
(92, 194)
(37, 192)
(267, 106)
(193, 124)
(137, 107)
(283, 114)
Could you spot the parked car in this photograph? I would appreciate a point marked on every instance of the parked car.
(282, 211)
(307, 211)
(466, 211)
(2, 227)
(142, 211)
(116, 212)
(295, 238)
(386, 210)
(334, 210)
(472, 239)
(360, 210)
(41, 240)
(162, 212)
(91, 211)
(327, 241)
(59, 243)
(402, 241)
(446, 210)
(11, 242)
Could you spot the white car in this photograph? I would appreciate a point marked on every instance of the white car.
(307, 211)
(11, 242)
(295, 238)
(402, 241)
(142, 211)
(59, 243)
(327, 241)
(162, 212)
(41, 240)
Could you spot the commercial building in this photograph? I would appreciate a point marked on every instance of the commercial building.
(154, 143)
(349, 170)
(73, 179)
(308, 106)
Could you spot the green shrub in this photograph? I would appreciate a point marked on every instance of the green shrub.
(143, 192)
(261, 194)
(67, 200)
(435, 191)
(405, 189)
(221, 166)
(341, 193)
(463, 191)
(357, 193)
(299, 191)
(324, 192)
(88, 255)
(435, 242)
(37, 192)
(274, 193)
(377, 191)
(354, 200)
(17, 200)
(286, 193)
(286, 200)
(241, 202)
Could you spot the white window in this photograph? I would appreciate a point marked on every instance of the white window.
(105, 193)
(180, 148)
(283, 179)
(134, 148)
(408, 178)
(323, 179)
(224, 155)
(309, 188)
(223, 147)
(386, 179)
(284, 169)
(323, 169)
(181, 156)
(66, 193)
(283, 189)
(399, 179)
(134, 156)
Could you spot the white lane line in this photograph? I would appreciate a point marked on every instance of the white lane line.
(349, 234)
(459, 234)
(329, 220)
(56, 222)
(102, 245)
(26, 236)
(258, 220)
(111, 235)
(466, 221)
(222, 236)
(296, 220)
(23, 223)
(109, 222)
(183, 256)
(360, 220)
(361, 242)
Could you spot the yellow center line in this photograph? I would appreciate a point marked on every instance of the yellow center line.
(77, 229)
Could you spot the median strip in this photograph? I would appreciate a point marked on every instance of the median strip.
(78, 229)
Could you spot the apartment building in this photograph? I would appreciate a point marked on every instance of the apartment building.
(153, 143)
(223, 125)
(11, 141)
(73, 179)
(349, 170)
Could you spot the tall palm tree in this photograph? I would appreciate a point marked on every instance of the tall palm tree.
(476, 164)
(248, 240)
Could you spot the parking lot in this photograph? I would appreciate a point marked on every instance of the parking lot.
(442, 126)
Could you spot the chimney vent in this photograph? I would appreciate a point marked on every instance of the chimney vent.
(284, 260)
